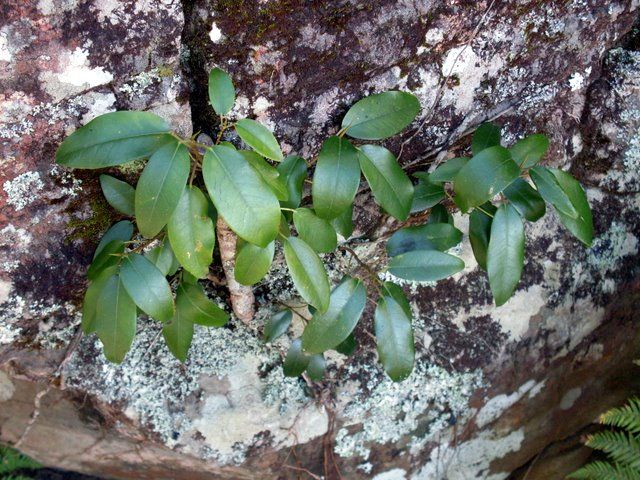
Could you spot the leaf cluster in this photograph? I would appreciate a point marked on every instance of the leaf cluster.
(152, 260)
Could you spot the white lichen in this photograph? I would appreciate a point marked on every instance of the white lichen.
(23, 189)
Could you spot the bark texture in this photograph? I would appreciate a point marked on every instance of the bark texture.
(496, 393)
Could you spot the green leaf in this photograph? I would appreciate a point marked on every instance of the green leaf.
(123, 230)
(480, 232)
(440, 214)
(258, 137)
(307, 272)
(448, 170)
(277, 325)
(293, 171)
(526, 200)
(336, 179)
(548, 186)
(316, 367)
(329, 329)
(432, 236)
(582, 225)
(425, 265)
(115, 321)
(295, 362)
(284, 229)
(380, 116)
(348, 346)
(530, 150)
(108, 257)
(343, 223)
(426, 194)
(505, 256)
(269, 174)
(120, 195)
(240, 195)
(163, 258)
(160, 187)
(252, 262)
(113, 139)
(178, 333)
(222, 94)
(188, 278)
(315, 231)
(196, 307)
(394, 336)
(483, 177)
(91, 296)
(148, 288)
(391, 187)
(191, 233)
(487, 135)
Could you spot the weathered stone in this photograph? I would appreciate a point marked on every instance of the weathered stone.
(493, 387)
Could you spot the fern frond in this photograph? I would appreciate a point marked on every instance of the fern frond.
(622, 447)
(12, 460)
(604, 471)
(627, 417)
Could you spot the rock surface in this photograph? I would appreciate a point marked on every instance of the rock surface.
(496, 391)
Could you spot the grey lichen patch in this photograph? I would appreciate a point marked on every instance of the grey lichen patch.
(427, 401)
(23, 189)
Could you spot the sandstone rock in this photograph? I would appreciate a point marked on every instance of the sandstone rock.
(494, 388)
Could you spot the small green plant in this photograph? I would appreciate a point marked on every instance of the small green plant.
(12, 462)
(622, 446)
(258, 192)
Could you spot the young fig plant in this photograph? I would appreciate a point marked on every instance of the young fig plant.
(153, 259)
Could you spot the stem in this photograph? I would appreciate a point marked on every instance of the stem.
(287, 209)
(366, 266)
(484, 211)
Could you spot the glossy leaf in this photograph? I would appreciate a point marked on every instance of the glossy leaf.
(582, 226)
(113, 139)
(307, 272)
(240, 195)
(163, 258)
(431, 236)
(258, 137)
(148, 288)
(547, 184)
(391, 187)
(197, 307)
(91, 296)
(336, 178)
(505, 256)
(426, 195)
(343, 223)
(120, 195)
(160, 187)
(122, 230)
(108, 257)
(380, 116)
(316, 367)
(530, 150)
(448, 170)
(315, 231)
(394, 335)
(348, 345)
(329, 329)
(425, 265)
(440, 214)
(295, 362)
(277, 325)
(178, 333)
(115, 321)
(480, 232)
(191, 233)
(293, 171)
(484, 176)
(222, 94)
(486, 135)
(269, 174)
(526, 200)
(252, 262)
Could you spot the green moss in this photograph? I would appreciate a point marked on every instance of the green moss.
(164, 71)
(132, 168)
(94, 226)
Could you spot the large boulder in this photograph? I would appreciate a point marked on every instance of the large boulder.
(494, 391)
